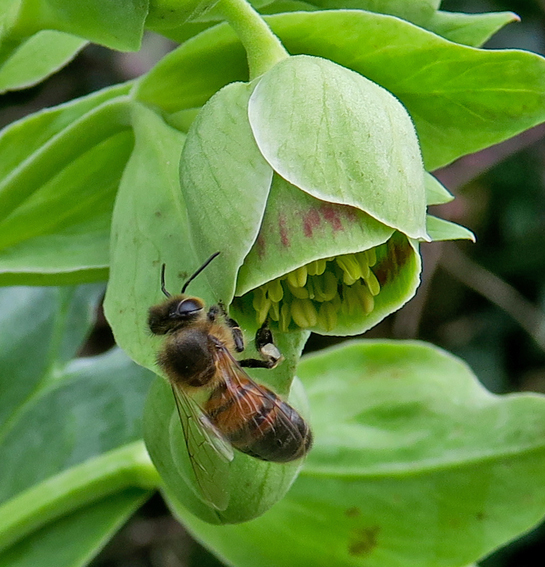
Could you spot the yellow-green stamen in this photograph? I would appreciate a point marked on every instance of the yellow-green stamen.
(316, 294)
(304, 313)
(298, 278)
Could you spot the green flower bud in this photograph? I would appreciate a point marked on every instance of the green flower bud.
(310, 183)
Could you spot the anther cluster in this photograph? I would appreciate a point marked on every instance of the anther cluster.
(313, 295)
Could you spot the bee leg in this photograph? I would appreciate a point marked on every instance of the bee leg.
(213, 313)
(236, 331)
(267, 349)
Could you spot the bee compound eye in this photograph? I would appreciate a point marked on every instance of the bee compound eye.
(187, 308)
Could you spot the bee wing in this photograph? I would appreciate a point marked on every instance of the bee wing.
(235, 376)
(208, 453)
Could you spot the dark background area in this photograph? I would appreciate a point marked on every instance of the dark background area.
(484, 302)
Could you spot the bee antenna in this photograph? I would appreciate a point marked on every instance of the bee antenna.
(199, 271)
(163, 288)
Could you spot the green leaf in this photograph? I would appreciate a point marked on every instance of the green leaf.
(74, 488)
(60, 411)
(280, 6)
(78, 254)
(117, 25)
(416, 11)
(441, 229)
(35, 340)
(74, 539)
(342, 139)
(469, 29)
(461, 99)
(97, 125)
(414, 463)
(22, 139)
(38, 57)
(149, 228)
(61, 232)
(224, 176)
(188, 76)
(181, 33)
(65, 412)
(436, 193)
(57, 195)
(165, 14)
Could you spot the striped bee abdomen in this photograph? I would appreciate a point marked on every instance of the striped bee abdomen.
(257, 422)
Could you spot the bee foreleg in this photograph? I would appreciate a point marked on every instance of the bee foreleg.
(256, 363)
(263, 337)
(236, 331)
(213, 313)
(267, 349)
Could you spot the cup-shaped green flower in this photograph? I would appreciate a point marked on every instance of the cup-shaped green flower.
(311, 182)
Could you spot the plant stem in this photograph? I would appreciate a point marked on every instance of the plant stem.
(126, 467)
(263, 48)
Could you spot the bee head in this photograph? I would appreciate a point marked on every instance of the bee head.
(179, 311)
(175, 313)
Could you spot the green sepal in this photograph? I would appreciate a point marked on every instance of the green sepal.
(436, 192)
(298, 228)
(441, 229)
(149, 228)
(225, 181)
(342, 139)
(397, 270)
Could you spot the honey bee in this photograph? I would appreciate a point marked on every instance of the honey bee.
(197, 356)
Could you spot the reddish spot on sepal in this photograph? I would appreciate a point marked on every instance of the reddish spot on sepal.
(261, 244)
(330, 213)
(311, 220)
(283, 231)
(399, 253)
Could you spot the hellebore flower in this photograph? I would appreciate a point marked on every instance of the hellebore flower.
(311, 182)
